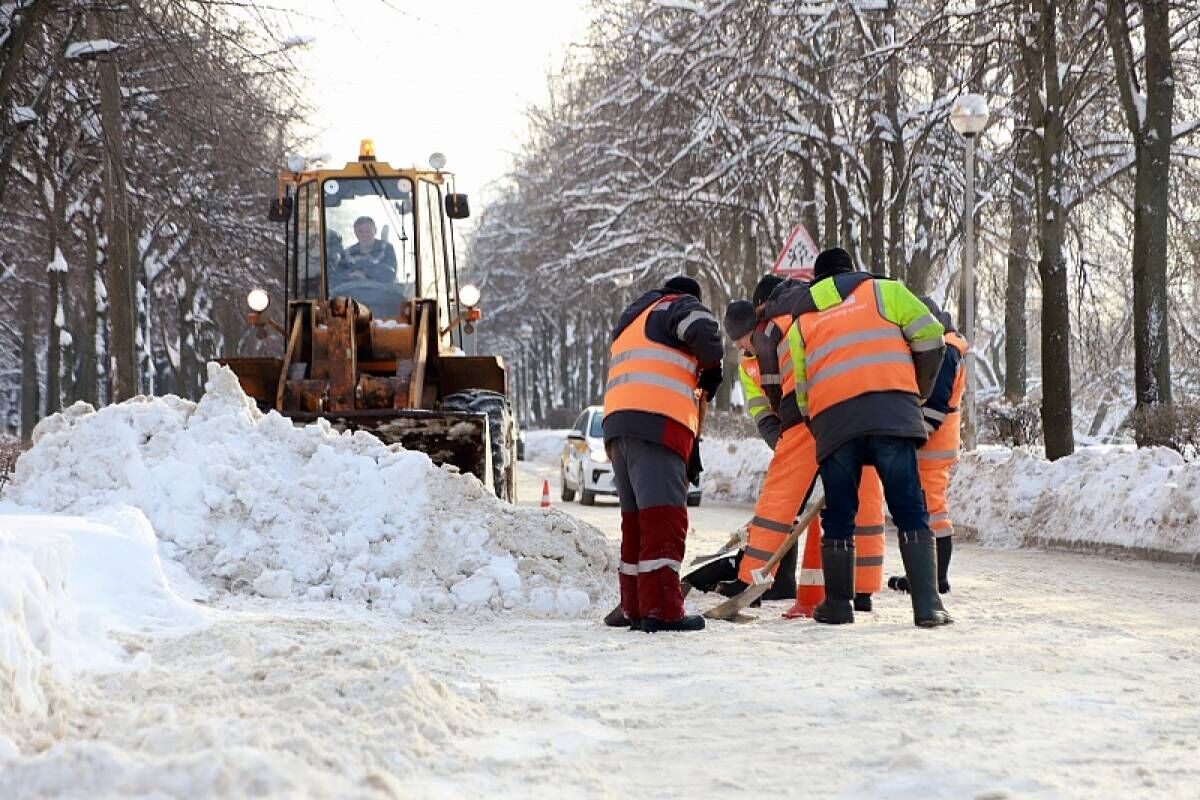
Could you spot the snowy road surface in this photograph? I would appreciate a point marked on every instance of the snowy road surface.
(1065, 676)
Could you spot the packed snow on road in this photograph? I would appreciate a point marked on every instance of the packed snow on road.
(200, 600)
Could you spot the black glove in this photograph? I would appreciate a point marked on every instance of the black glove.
(694, 467)
(709, 380)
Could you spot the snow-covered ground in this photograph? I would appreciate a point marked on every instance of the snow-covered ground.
(145, 670)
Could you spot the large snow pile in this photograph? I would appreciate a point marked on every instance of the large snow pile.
(64, 583)
(734, 469)
(250, 503)
(1147, 499)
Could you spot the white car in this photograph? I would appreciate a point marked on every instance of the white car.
(584, 466)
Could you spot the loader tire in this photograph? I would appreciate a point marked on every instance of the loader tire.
(501, 432)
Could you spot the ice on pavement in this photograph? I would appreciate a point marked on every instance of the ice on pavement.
(249, 503)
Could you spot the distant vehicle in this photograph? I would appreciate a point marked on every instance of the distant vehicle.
(521, 443)
(584, 466)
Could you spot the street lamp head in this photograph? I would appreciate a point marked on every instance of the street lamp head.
(969, 116)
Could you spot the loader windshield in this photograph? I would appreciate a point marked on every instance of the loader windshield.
(369, 242)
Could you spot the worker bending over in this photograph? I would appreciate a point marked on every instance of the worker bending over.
(666, 347)
(862, 353)
(935, 459)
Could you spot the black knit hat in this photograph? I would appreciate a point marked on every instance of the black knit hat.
(682, 284)
(763, 290)
(740, 318)
(833, 261)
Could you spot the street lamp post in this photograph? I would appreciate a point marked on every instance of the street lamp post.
(526, 331)
(969, 117)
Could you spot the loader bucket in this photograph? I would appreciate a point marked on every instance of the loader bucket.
(447, 437)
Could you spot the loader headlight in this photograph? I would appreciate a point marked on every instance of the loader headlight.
(469, 295)
(258, 300)
(599, 456)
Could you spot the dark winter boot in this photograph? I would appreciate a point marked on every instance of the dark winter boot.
(837, 562)
(705, 578)
(617, 619)
(862, 602)
(784, 587)
(920, 565)
(732, 588)
(945, 548)
(898, 583)
(689, 622)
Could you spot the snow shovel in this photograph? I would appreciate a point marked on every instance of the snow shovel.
(731, 609)
(736, 540)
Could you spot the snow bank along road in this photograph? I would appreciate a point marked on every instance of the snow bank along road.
(1066, 676)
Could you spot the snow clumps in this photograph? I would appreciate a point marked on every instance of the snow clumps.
(1141, 500)
(249, 503)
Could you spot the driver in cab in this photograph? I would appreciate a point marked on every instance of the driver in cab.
(369, 258)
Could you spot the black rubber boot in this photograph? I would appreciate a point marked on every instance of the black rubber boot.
(862, 602)
(945, 548)
(920, 565)
(706, 578)
(784, 587)
(837, 562)
(617, 619)
(732, 588)
(689, 622)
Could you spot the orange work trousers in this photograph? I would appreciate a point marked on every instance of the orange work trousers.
(868, 535)
(935, 478)
(789, 479)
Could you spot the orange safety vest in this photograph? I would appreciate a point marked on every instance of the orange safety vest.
(944, 443)
(783, 352)
(653, 378)
(851, 349)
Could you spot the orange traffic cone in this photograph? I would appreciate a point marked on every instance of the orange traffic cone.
(545, 494)
(811, 588)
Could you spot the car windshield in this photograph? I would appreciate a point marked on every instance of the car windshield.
(369, 242)
(597, 428)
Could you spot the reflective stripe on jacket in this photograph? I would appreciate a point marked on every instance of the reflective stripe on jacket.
(945, 440)
(850, 347)
(646, 376)
(757, 403)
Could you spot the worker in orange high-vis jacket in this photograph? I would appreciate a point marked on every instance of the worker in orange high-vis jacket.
(666, 351)
(791, 473)
(782, 499)
(861, 355)
(935, 459)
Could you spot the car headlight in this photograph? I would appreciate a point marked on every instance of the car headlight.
(599, 456)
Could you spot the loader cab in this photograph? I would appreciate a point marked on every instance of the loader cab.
(378, 235)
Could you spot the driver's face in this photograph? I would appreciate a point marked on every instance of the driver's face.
(365, 233)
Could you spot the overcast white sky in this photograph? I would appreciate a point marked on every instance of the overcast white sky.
(425, 75)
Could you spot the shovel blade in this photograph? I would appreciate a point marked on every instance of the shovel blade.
(732, 608)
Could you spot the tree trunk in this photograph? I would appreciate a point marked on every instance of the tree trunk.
(921, 263)
(1057, 416)
(1016, 334)
(120, 278)
(31, 400)
(86, 385)
(1152, 348)
(808, 196)
(1020, 223)
(876, 257)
